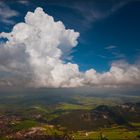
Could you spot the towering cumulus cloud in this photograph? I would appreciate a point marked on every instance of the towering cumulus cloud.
(35, 55)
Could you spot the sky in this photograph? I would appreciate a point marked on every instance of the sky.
(63, 43)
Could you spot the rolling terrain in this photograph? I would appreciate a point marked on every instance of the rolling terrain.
(71, 115)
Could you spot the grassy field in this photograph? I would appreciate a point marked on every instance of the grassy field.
(114, 133)
(86, 103)
(3, 138)
(68, 106)
(26, 124)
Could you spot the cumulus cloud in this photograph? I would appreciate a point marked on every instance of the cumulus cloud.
(39, 45)
(120, 74)
(35, 54)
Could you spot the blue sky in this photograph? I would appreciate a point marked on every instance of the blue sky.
(109, 30)
(38, 51)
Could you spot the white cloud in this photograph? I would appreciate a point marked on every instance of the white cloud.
(120, 74)
(96, 11)
(115, 52)
(110, 47)
(6, 13)
(35, 53)
(41, 42)
(24, 2)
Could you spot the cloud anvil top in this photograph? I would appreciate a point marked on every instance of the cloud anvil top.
(35, 55)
